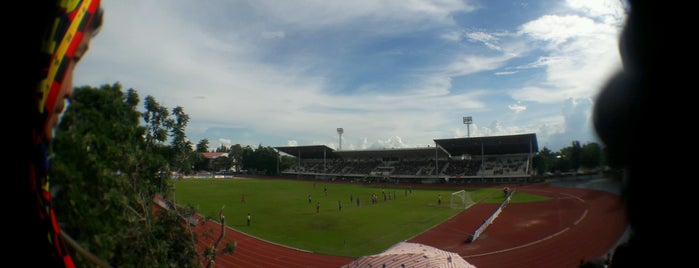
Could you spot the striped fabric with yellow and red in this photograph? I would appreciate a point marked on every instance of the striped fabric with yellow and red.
(72, 19)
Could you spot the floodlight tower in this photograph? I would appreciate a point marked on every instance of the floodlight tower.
(468, 121)
(339, 132)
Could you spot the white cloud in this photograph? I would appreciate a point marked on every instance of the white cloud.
(517, 108)
(393, 73)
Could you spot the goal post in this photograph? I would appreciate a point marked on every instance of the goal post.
(461, 199)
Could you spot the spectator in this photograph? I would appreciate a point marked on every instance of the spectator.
(56, 48)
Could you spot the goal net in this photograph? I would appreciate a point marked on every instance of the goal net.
(461, 199)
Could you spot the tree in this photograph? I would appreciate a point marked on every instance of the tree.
(203, 146)
(199, 162)
(286, 162)
(222, 149)
(221, 163)
(107, 168)
(156, 118)
(248, 161)
(236, 155)
(267, 159)
(591, 156)
(210, 252)
(182, 148)
(544, 161)
(574, 155)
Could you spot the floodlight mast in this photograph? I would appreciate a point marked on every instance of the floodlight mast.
(339, 132)
(468, 120)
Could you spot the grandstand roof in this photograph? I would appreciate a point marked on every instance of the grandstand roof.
(509, 144)
(308, 151)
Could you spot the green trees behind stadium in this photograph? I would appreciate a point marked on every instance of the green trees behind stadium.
(573, 159)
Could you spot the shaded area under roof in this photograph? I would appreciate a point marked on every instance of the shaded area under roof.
(509, 144)
(322, 151)
(423, 152)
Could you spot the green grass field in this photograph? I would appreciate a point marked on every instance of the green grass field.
(281, 212)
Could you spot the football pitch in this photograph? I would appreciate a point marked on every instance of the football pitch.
(338, 219)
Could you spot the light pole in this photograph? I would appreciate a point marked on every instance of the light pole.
(468, 121)
(339, 132)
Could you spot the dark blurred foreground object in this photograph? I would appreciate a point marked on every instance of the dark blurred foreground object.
(625, 112)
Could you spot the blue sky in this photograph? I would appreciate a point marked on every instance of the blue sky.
(391, 73)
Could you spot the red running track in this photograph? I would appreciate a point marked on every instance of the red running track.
(575, 224)
(254, 252)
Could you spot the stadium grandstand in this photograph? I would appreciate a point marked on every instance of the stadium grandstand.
(477, 160)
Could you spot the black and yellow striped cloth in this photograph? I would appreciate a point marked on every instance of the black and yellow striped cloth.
(71, 21)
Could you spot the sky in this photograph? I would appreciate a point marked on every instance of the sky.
(390, 73)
